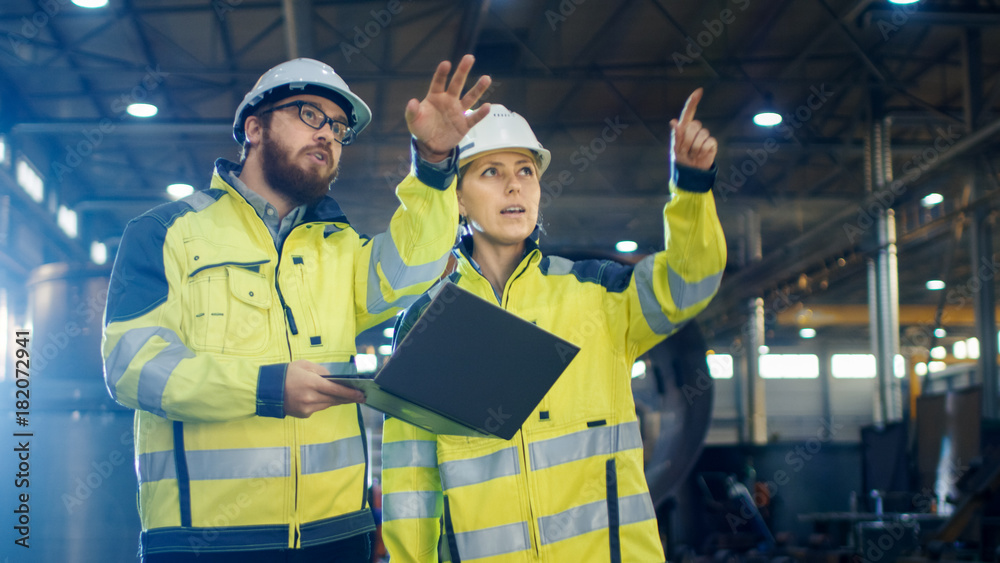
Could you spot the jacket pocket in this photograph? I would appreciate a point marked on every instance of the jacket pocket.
(230, 308)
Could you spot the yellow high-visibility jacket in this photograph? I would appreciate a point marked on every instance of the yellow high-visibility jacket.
(569, 487)
(203, 316)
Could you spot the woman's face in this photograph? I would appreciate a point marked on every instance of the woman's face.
(499, 195)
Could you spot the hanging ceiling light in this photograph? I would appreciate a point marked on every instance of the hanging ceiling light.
(767, 116)
(626, 246)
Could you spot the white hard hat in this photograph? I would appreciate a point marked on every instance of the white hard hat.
(502, 129)
(302, 76)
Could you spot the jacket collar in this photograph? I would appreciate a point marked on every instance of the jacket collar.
(326, 210)
(463, 250)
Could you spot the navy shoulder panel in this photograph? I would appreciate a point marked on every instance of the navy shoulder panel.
(138, 279)
(138, 283)
(611, 275)
(167, 213)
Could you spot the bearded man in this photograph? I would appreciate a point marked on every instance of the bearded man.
(229, 306)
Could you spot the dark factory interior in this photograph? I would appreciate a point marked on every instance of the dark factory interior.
(837, 401)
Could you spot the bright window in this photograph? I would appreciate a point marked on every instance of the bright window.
(98, 253)
(789, 366)
(861, 366)
(366, 363)
(972, 348)
(29, 180)
(720, 366)
(852, 366)
(66, 219)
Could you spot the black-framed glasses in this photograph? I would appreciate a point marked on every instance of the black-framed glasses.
(314, 117)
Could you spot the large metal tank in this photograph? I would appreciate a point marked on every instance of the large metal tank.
(82, 485)
(674, 404)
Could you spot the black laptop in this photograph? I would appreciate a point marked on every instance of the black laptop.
(468, 368)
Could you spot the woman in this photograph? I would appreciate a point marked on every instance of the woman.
(569, 486)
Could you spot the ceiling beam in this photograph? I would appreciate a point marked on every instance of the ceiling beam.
(824, 240)
(469, 28)
(298, 28)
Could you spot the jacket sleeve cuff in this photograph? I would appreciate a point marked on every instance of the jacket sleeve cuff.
(437, 175)
(271, 390)
(694, 180)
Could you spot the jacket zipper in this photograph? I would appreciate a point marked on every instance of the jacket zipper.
(304, 288)
(534, 534)
(294, 535)
(296, 464)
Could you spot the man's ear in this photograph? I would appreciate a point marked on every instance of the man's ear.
(253, 130)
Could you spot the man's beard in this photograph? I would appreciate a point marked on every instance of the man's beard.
(299, 184)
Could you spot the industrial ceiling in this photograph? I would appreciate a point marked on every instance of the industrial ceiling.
(599, 81)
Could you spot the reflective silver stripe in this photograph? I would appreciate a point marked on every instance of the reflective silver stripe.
(651, 309)
(244, 463)
(592, 516)
(602, 440)
(490, 542)
(573, 522)
(635, 508)
(154, 374)
(155, 466)
(687, 294)
(409, 453)
(460, 473)
(397, 273)
(340, 368)
(415, 504)
(559, 266)
(317, 458)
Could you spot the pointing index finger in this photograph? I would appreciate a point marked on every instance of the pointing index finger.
(687, 114)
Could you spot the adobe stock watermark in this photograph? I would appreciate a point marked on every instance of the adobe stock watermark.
(713, 29)
(223, 7)
(783, 301)
(226, 515)
(98, 473)
(583, 157)
(795, 460)
(566, 9)
(740, 173)
(495, 419)
(912, 170)
(364, 34)
(888, 541)
(957, 297)
(567, 523)
(31, 27)
(93, 137)
(900, 16)
(85, 314)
